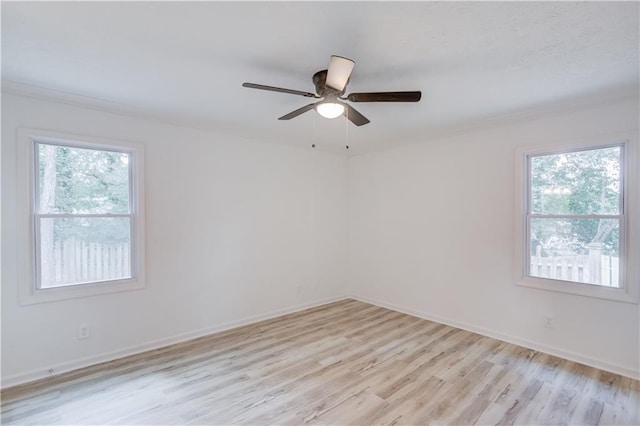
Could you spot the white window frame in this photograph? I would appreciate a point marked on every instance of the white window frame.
(629, 228)
(30, 291)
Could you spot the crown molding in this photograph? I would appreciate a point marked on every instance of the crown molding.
(117, 108)
(99, 104)
(513, 118)
(499, 120)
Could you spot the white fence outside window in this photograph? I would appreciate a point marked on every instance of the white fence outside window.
(77, 261)
(592, 268)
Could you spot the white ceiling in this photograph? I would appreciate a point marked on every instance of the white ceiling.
(186, 61)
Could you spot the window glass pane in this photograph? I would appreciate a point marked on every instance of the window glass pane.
(580, 250)
(583, 182)
(78, 180)
(81, 250)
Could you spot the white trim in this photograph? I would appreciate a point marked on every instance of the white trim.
(28, 294)
(629, 239)
(113, 107)
(82, 101)
(551, 350)
(145, 113)
(76, 364)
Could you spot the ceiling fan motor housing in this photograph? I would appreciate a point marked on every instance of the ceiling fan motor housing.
(320, 81)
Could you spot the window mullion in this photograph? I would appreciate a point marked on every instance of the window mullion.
(78, 215)
(574, 216)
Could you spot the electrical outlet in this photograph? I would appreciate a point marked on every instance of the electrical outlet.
(84, 332)
(549, 321)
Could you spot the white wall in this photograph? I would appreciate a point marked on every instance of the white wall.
(431, 232)
(234, 228)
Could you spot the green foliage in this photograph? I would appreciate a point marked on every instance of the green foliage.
(86, 181)
(576, 183)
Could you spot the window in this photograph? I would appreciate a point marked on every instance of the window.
(83, 215)
(86, 233)
(574, 220)
(574, 217)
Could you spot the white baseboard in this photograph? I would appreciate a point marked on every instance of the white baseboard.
(64, 367)
(75, 364)
(568, 355)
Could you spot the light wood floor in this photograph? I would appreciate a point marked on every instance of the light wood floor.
(343, 363)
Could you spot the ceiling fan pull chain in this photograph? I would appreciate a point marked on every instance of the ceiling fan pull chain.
(315, 135)
(346, 128)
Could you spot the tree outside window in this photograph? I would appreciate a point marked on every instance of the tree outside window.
(83, 215)
(574, 216)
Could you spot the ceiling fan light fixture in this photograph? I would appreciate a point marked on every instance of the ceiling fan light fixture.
(330, 109)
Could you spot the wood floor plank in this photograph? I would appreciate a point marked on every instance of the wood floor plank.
(343, 363)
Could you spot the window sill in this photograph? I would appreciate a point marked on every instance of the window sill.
(76, 291)
(587, 290)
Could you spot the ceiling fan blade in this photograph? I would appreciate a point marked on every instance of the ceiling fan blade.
(339, 72)
(353, 115)
(297, 112)
(279, 89)
(385, 97)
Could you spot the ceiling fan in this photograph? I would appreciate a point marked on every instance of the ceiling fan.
(330, 87)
